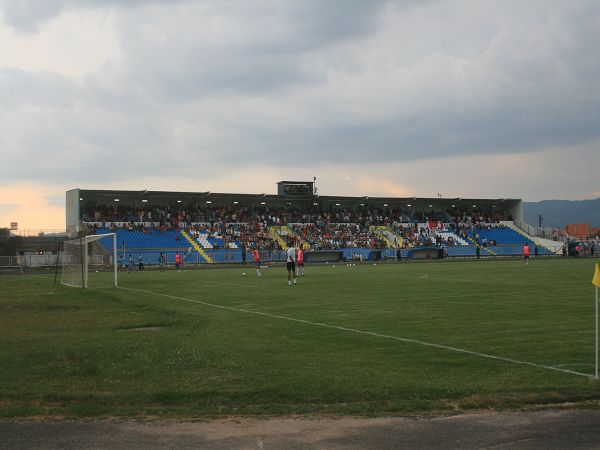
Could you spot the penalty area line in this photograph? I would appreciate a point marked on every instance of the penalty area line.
(367, 333)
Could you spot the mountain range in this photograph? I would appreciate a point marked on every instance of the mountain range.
(560, 213)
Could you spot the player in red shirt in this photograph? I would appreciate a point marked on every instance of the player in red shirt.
(300, 260)
(256, 257)
(178, 261)
(526, 253)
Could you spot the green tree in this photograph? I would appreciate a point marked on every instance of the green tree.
(9, 244)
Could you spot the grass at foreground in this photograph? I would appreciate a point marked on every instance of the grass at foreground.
(213, 342)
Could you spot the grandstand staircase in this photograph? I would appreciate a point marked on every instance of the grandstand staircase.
(276, 233)
(274, 230)
(197, 247)
(393, 237)
(483, 249)
(304, 245)
(384, 233)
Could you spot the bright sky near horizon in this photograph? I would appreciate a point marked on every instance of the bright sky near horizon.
(465, 98)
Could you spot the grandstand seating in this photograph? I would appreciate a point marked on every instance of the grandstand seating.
(446, 235)
(223, 231)
(204, 241)
(502, 236)
(148, 240)
(215, 241)
(337, 235)
(507, 241)
(149, 243)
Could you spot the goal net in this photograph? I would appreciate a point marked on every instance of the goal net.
(90, 261)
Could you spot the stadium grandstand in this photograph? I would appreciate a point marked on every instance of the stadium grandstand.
(208, 227)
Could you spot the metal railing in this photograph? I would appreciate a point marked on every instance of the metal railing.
(29, 261)
(40, 232)
(552, 233)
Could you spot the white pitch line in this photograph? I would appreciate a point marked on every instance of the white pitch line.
(219, 283)
(368, 333)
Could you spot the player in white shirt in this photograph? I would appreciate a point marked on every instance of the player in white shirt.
(291, 265)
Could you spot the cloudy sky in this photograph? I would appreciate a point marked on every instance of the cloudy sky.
(467, 98)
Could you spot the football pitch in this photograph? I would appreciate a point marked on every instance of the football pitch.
(363, 339)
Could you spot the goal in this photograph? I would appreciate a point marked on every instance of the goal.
(90, 261)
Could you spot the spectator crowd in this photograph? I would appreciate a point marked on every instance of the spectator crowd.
(243, 226)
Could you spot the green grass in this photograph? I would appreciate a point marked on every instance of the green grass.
(171, 351)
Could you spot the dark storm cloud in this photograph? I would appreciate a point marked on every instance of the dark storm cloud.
(126, 113)
(311, 20)
(56, 128)
(237, 47)
(28, 15)
(199, 85)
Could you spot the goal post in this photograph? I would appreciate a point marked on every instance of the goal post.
(90, 261)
